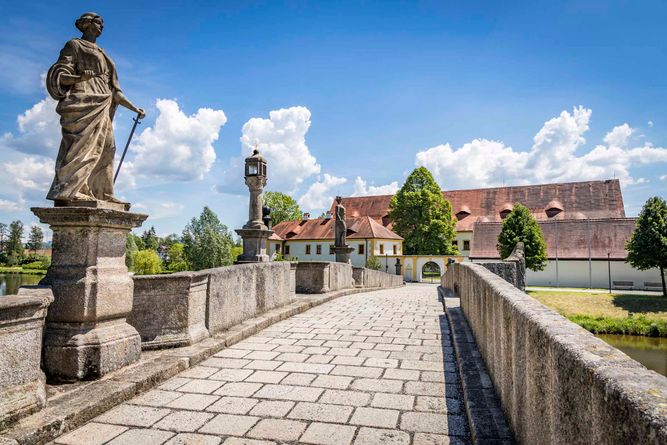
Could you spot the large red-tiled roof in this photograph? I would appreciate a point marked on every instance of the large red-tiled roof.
(573, 200)
(321, 228)
(572, 237)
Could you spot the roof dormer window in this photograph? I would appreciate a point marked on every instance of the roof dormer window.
(505, 210)
(463, 212)
(553, 209)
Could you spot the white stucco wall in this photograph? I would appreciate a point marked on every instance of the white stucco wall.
(576, 273)
(460, 238)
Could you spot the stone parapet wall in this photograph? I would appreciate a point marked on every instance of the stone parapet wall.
(364, 277)
(323, 276)
(183, 308)
(557, 382)
(170, 310)
(237, 293)
(22, 382)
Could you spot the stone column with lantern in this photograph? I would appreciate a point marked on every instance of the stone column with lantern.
(255, 233)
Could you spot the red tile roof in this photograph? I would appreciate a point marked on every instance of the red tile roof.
(606, 235)
(322, 228)
(576, 200)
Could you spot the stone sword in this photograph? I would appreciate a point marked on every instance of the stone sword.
(129, 139)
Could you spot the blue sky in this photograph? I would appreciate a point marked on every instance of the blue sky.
(481, 93)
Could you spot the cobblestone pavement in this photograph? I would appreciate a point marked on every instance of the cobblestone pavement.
(362, 369)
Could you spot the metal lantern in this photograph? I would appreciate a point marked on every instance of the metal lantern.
(255, 165)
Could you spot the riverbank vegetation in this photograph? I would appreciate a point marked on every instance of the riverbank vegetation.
(603, 313)
(205, 243)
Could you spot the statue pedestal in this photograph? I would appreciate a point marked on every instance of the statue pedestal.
(254, 245)
(343, 253)
(86, 334)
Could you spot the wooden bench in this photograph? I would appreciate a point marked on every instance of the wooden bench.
(624, 285)
(652, 286)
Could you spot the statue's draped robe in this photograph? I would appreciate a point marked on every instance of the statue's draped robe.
(340, 226)
(84, 167)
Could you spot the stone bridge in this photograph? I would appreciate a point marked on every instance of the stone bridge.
(361, 359)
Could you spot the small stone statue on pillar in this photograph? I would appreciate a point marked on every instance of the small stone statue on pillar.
(255, 232)
(341, 249)
(86, 335)
(518, 257)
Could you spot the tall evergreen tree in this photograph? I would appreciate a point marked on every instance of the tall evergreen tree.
(647, 247)
(150, 239)
(15, 251)
(35, 239)
(422, 216)
(283, 207)
(520, 225)
(208, 242)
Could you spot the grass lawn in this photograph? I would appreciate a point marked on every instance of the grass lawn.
(610, 313)
(4, 269)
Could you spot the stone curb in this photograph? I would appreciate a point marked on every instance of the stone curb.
(71, 409)
(486, 420)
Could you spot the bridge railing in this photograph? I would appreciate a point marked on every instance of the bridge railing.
(557, 383)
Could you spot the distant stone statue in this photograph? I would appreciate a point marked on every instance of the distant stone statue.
(518, 256)
(85, 84)
(341, 227)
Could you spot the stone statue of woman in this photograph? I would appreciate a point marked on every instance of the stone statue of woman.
(340, 225)
(85, 84)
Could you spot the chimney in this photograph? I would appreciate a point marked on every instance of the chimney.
(305, 217)
(327, 216)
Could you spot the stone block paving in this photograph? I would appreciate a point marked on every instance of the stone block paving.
(369, 368)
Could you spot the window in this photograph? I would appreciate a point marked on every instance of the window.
(331, 251)
(318, 249)
(360, 249)
(455, 244)
(395, 249)
(277, 247)
(466, 245)
(381, 249)
(286, 249)
(307, 249)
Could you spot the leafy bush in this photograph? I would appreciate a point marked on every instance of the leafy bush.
(35, 265)
(147, 262)
(373, 263)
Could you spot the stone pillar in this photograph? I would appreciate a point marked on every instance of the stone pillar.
(22, 382)
(255, 233)
(86, 334)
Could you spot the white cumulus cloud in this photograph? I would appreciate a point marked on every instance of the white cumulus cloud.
(553, 157)
(281, 139)
(318, 196)
(177, 148)
(38, 130)
(361, 188)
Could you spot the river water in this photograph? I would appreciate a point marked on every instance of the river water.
(649, 351)
(10, 282)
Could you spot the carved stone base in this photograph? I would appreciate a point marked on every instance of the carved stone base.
(254, 245)
(77, 354)
(343, 254)
(86, 334)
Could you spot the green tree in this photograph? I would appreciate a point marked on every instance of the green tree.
(373, 263)
(169, 240)
(647, 247)
(208, 242)
(131, 250)
(147, 262)
(283, 207)
(176, 258)
(35, 239)
(15, 251)
(520, 225)
(150, 239)
(422, 216)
